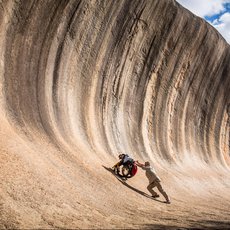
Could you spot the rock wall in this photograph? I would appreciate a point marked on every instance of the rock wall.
(93, 78)
(136, 76)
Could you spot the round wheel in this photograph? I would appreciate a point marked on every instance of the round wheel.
(125, 171)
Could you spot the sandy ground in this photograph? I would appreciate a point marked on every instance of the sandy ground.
(81, 81)
(54, 191)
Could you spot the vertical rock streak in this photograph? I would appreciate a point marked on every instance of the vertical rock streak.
(146, 77)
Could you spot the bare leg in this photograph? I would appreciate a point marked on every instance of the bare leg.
(161, 190)
(150, 188)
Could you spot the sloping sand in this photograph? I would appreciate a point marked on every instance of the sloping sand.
(81, 81)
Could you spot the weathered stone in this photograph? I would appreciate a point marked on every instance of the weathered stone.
(82, 80)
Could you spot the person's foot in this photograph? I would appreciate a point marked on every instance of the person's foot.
(168, 202)
(155, 196)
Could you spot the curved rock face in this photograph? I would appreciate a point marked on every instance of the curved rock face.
(84, 80)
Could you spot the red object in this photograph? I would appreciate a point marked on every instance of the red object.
(134, 170)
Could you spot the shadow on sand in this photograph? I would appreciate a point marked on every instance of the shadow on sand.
(131, 187)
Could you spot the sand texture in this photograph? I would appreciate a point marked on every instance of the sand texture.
(81, 81)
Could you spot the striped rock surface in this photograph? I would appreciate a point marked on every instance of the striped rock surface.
(82, 81)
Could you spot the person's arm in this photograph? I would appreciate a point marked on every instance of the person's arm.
(117, 164)
(139, 164)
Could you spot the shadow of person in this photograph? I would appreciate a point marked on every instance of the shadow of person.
(131, 187)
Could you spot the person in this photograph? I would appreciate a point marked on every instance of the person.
(154, 180)
(125, 159)
(128, 162)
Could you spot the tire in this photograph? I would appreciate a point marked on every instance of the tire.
(125, 170)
